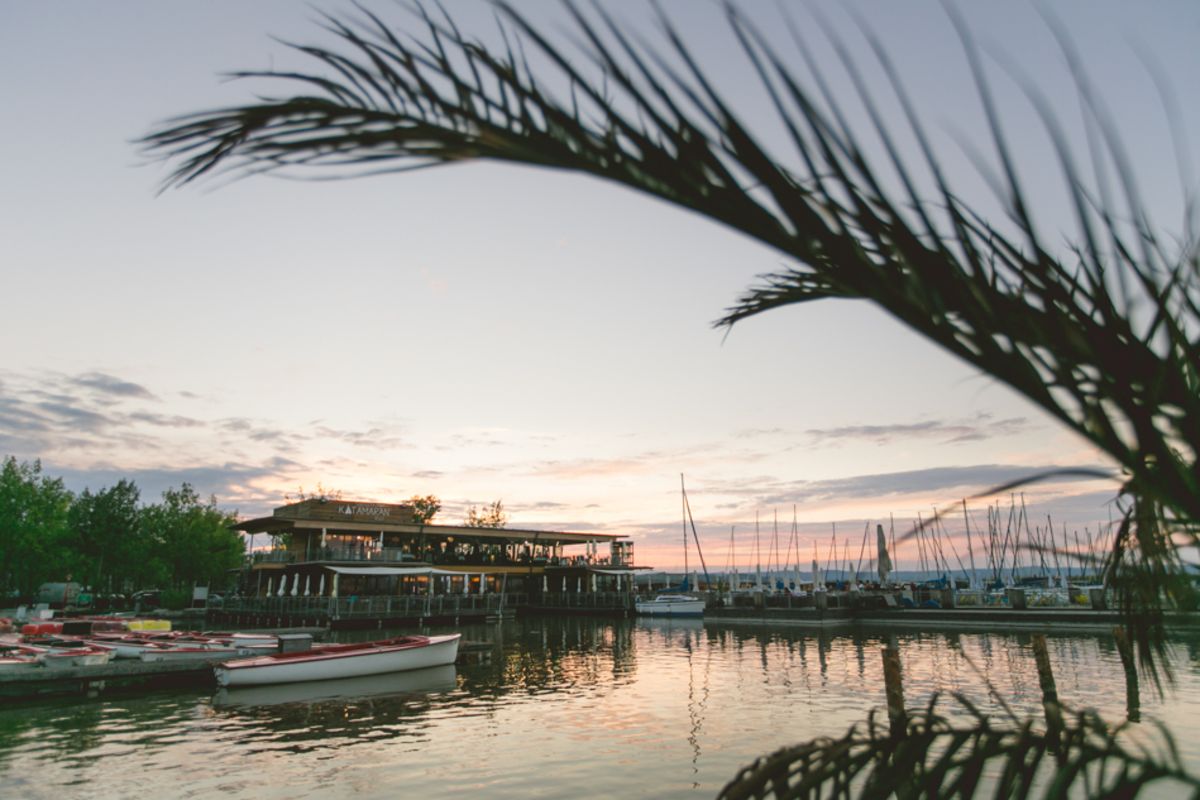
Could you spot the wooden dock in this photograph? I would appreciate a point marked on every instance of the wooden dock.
(927, 619)
(91, 681)
(127, 674)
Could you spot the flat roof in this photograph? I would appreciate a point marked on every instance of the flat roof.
(283, 525)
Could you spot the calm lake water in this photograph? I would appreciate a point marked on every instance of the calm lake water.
(566, 708)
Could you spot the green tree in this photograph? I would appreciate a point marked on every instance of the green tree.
(320, 493)
(425, 508)
(192, 539)
(33, 528)
(492, 516)
(108, 547)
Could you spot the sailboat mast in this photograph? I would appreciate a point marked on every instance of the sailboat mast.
(775, 548)
(696, 537)
(757, 554)
(970, 546)
(683, 505)
(862, 550)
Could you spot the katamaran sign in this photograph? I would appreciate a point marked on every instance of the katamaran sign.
(347, 511)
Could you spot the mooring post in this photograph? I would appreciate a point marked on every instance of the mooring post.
(1054, 718)
(894, 688)
(1133, 696)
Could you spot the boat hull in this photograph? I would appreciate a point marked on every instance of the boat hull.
(432, 679)
(670, 607)
(341, 661)
(75, 658)
(15, 664)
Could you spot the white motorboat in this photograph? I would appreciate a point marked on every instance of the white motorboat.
(671, 605)
(341, 661)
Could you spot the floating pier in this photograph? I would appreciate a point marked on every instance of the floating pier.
(127, 674)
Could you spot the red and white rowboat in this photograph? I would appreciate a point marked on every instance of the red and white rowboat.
(85, 655)
(203, 652)
(16, 658)
(341, 661)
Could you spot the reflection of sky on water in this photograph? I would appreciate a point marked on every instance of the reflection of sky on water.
(576, 707)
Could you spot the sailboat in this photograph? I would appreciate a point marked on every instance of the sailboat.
(676, 605)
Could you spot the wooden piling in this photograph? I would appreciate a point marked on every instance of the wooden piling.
(1054, 717)
(1133, 696)
(894, 688)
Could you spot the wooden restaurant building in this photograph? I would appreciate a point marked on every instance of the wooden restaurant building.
(362, 564)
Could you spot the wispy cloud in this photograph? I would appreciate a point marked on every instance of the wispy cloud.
(938, 482)
(756, 433)
(385, 438)
(478, 439)
(164, 420)
(108, 384)
(100, 427)
(981, 427)
(250, 430)
(234, 484)
(646, 461)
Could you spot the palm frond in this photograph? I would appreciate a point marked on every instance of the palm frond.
(1103, 335)
(970, 755)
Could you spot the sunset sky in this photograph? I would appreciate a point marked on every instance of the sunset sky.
(484, 331)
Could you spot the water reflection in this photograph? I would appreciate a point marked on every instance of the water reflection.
(580, 707)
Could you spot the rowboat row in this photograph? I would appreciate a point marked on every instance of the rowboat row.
(240, 659)
(177, 646)
(22, 657)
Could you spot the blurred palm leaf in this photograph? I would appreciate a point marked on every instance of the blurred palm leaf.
(1106, 340)
(1104, 335)
(941, 757)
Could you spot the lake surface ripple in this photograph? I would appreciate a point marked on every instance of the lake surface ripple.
(565, 708)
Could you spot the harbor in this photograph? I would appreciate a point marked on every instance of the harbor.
(684, 700)
(134, 675)
(355, 605)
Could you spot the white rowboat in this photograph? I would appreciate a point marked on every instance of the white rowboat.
(432, 679)
(341, 661)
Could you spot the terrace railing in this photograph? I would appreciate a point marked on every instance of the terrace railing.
(586, 600)
(375, 606)
(398, 554)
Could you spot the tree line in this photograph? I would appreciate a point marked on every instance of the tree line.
(108, 540)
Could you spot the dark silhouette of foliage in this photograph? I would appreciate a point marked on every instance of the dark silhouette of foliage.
(107, 539)
(490, 516)
(425, 507)
(939, 756)
(1103, 334)
(33, 528)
